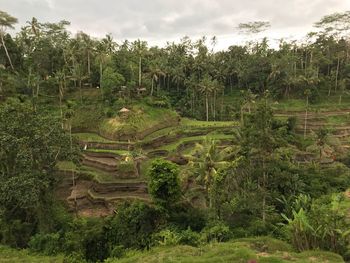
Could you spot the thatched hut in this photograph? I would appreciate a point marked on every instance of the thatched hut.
(124, 112)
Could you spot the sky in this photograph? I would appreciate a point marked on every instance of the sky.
(159, 21)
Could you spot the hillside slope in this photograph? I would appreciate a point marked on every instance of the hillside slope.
(257, 250)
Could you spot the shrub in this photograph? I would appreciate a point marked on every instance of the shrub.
(74, 257)
(117, 252)
(216, 231)
(48, 244)
(164, 185)
(187, 216)
(168, 237)
(189, 237)
(133, 226)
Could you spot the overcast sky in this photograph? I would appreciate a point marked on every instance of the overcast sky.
(160, 20)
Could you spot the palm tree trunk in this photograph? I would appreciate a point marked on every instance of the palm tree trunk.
(207, 105)
(168, 82)
(6, 51)
(264, 193)
(101, 73)
(140, 60)
(80, 91)
(152, 86)
(37, 89)
(73, 175)
(337, 74)
(214, 104)
(60, 99)
(1, 91)
(305, 122)
(88, 63)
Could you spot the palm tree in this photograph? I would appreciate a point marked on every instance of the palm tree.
(78, 75)
(140, 47)
(208, 159)
(248, 98)
(105, 49)
(155, 74)
(307, 94)
(35, 26)
(60, 78)
(87, 46)
(6, 21)
(206, 86)
(178, 77)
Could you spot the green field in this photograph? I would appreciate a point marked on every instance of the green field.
(262, 250)
(8, 255)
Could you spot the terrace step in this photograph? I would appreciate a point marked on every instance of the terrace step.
(118, 195)
(105, 164)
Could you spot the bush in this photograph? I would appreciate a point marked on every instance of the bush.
(168, 237)
(158, 103)
(216, 231)
(189, 237)
(188, 217)
(74, 257)
(164, 184)
(16, 233)
(133, 226)
(117, 252)
(109, 112)
(48, 244)
(173, 237)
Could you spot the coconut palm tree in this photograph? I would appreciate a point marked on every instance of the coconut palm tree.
(208, 158)
(206, 87)
(6, 21)
(78, 75)
(155, 73)
(60, 79)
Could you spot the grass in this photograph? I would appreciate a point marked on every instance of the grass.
(327, 104)
(119, 196)
(191, 123)
(91, 137)
(95, 174)
(262, 249)
(142, 117)
(145, 165)
(339, 120)
(173, 146)
(8, 255)
(161, 132)
(117, 152)
(66, 166)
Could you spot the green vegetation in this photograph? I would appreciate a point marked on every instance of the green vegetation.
(8, 255)
(164, 183)
(117, 152)
(121, 152)
(175, 145)
(91, 137)
(185, 122)
(268, 250)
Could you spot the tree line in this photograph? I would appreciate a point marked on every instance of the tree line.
(45, 58)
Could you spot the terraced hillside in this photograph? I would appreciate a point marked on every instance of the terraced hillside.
(336, 123)
(115, 170)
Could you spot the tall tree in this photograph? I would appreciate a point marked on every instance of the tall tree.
(6, 21)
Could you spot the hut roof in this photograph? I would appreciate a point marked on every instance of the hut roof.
(123, 110)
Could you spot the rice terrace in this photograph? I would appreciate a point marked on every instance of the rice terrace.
(168, 131)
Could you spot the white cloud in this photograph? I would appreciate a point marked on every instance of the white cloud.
(162, 20)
